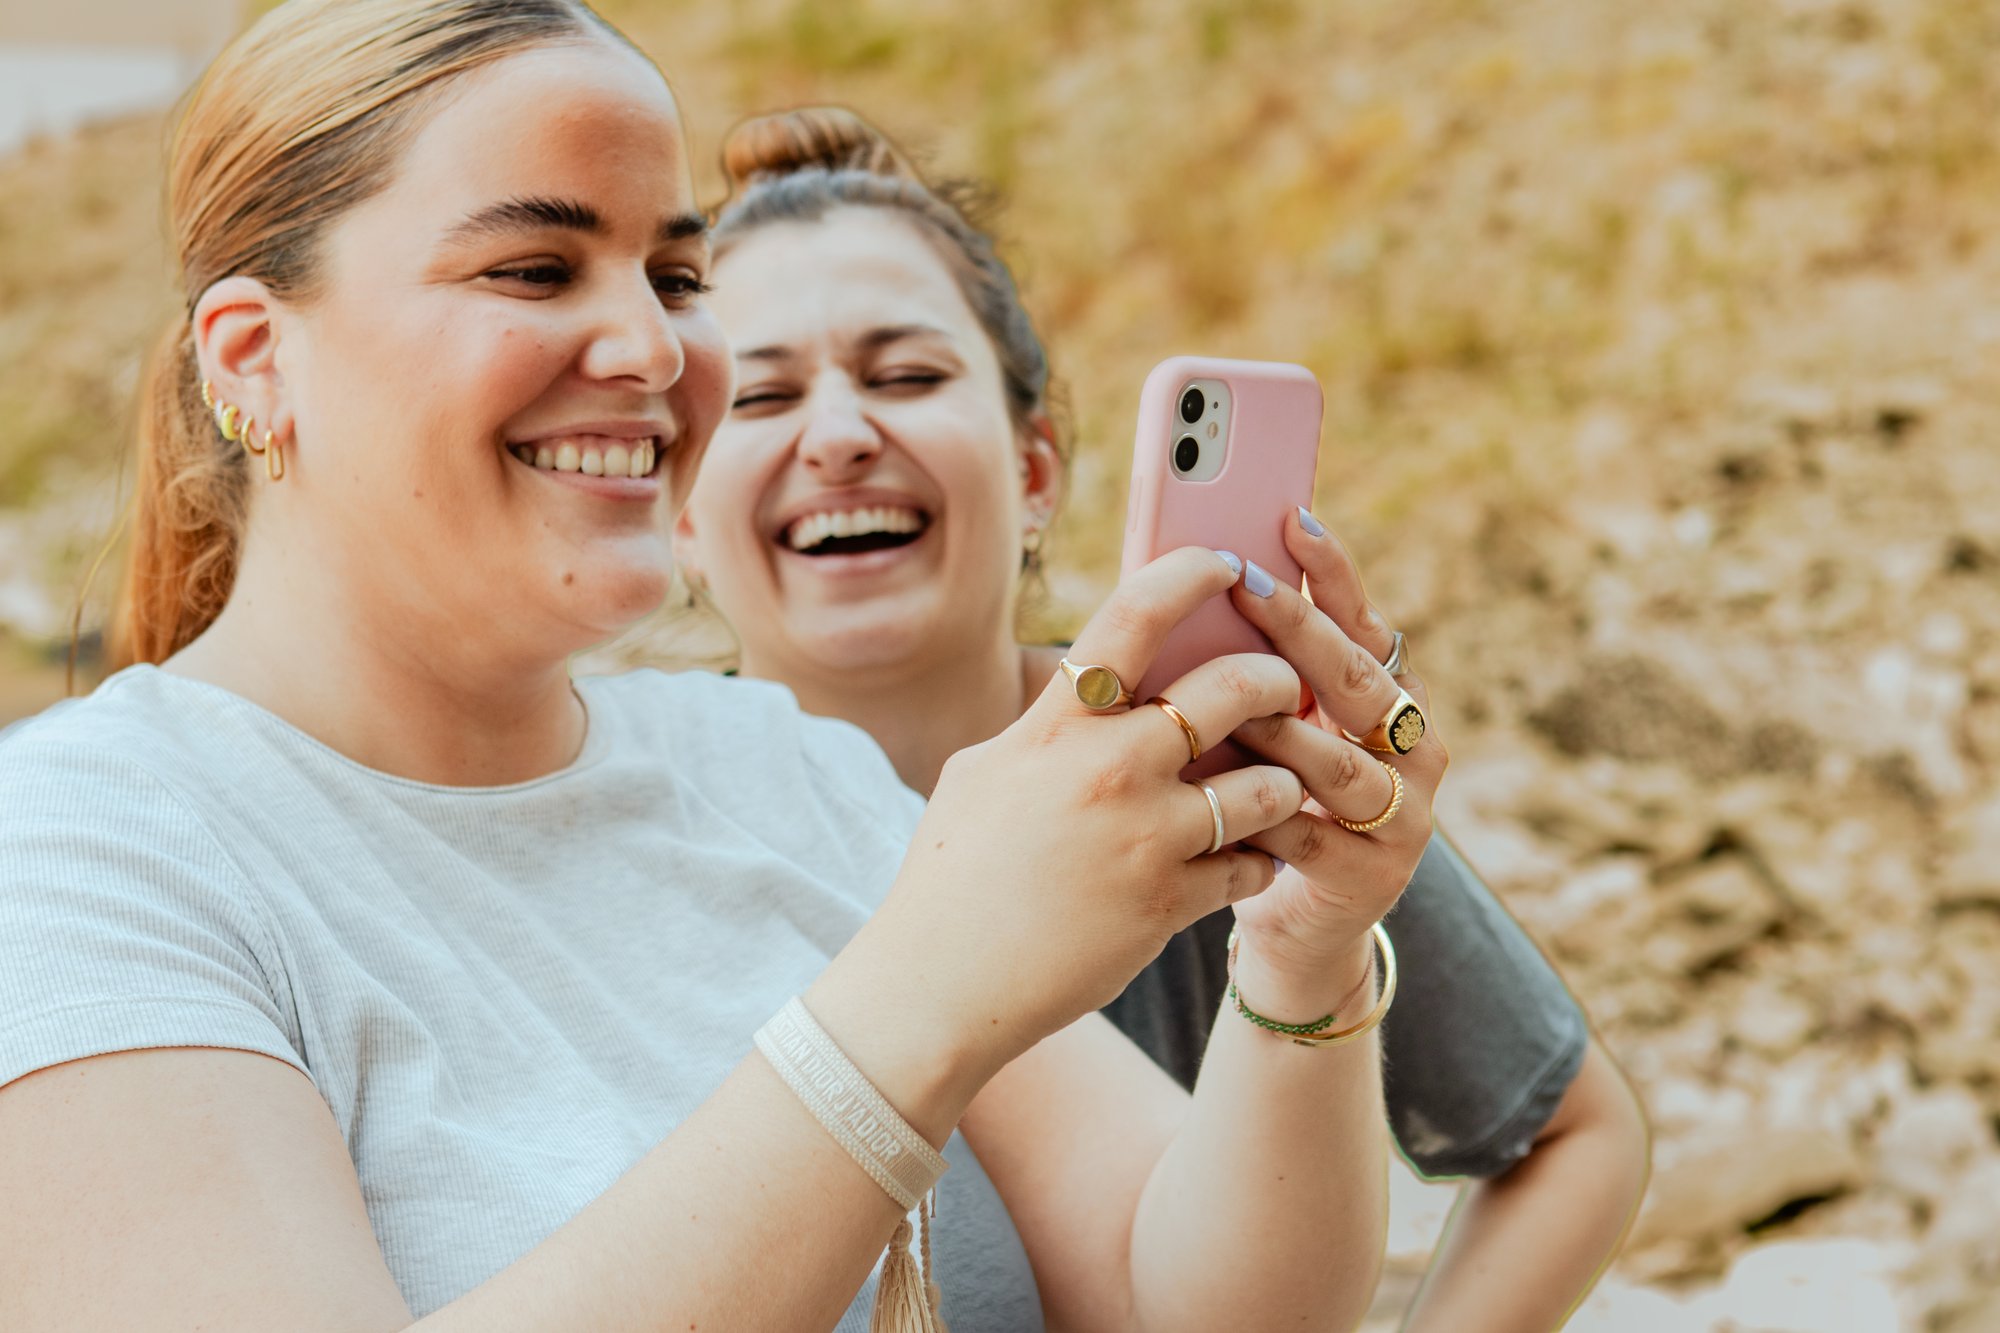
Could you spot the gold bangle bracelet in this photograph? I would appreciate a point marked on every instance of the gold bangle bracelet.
(1336, 1036)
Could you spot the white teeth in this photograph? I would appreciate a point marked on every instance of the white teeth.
(592, 457)
(813, 529)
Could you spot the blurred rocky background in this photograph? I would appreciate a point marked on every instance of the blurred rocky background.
(1658, 352)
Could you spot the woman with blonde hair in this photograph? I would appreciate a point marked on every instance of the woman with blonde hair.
(863, 523)
(360, 969)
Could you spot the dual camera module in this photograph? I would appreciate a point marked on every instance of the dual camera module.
(1202, 430)
(1187, 453)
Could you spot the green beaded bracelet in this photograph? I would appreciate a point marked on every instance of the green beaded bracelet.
(1273, 1025)
(1315, 1033)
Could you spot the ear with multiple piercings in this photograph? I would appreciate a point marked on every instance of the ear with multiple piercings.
(243, 432)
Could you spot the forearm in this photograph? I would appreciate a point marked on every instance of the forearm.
(1524, 1248)
(1269, 1208)
(749, 1215)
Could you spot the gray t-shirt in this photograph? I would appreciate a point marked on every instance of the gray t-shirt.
(1478, 1049)
(506, 995)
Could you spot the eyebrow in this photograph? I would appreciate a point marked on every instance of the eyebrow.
(870, 341)
(541, 213)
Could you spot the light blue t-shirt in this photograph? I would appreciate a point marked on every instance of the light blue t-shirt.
(507, 995)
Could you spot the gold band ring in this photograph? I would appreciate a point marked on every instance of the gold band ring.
(1097, 687)
(1399, 730)
(1193, 737)
(1395, 804)
(1215, 812)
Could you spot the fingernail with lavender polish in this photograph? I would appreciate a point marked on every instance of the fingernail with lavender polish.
(1311, 524)
(1258, 580)
(1235, 565)
(1277, 866)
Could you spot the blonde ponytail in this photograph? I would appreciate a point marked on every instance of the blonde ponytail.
(187, 513)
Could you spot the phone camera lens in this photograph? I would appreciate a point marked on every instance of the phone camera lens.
(1192, 404)
(1187, 453)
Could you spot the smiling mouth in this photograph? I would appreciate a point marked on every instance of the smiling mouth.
(854, 531)
(593, 455)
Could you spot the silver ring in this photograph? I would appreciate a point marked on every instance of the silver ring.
(1398, 664)
(1215, 812)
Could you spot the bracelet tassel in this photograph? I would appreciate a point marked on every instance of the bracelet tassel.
(906, 1295)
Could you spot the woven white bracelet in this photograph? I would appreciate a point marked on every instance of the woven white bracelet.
(895, 1156)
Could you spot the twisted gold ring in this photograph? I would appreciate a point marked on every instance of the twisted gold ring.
(1395, 804)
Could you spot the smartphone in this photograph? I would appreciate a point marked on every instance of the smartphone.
(1225, 452)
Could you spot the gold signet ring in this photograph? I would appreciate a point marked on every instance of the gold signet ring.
(1187, 727)
(1097, 687)
(1399, 730)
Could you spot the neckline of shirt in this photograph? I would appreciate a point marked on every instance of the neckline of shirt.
(596, 735)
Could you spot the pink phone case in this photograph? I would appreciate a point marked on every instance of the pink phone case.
(1272, 453)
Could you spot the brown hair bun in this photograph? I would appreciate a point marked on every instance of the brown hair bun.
(830, 138)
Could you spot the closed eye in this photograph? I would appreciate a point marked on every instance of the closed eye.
(763, 397)
(544, 276)
(908, 379)
(545, 279)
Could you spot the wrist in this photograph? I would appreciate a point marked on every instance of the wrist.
(1342, 981)
(926, 1065)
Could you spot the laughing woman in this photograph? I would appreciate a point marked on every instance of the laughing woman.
(360, 969)
(861, 524)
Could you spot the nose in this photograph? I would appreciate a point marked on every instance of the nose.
(839, 443)
(635, 339)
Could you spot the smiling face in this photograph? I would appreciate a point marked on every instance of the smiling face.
(864, 503)
(508, 376)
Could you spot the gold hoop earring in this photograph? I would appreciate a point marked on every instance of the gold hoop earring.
(225, 414)
(240, 429)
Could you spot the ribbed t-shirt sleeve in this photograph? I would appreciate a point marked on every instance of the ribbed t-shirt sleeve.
(1484, 1038)
(123, 922)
